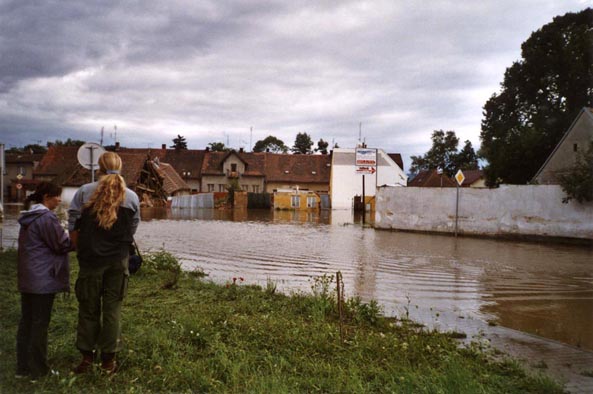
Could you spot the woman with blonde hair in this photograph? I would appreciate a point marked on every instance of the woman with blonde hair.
(103, 218)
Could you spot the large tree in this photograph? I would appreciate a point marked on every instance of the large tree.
(466, 158)
(302, 144)
(179, 143)
(272, 143)
(540, 96)
(442, 154)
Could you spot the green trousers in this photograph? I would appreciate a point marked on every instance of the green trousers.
(100, 290)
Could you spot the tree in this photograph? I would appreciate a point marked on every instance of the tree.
(68, 142)
(179, 143)
(540, 96)
(217, 147)
(322, 146)
(466, 159)
(577, 182)
(302, 144)
(442, 154)
(31, 148)
(272, 143)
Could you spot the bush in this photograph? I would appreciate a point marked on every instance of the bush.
(577, 183)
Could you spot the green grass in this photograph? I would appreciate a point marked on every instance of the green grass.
(184, 334)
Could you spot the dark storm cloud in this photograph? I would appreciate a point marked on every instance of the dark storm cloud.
(210, 70)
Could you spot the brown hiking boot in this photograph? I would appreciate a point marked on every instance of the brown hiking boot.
(85, 365)
(108, 363)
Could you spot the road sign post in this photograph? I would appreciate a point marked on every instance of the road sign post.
(459, 177)
(88, 156)
(366, 163)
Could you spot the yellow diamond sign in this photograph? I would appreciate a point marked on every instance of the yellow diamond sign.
(459, 177)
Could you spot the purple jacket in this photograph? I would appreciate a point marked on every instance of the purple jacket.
(43, 247)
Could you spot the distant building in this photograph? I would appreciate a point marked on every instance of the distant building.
(19, 171)
(576, 139)
(474, 178)
(346, 184)
(431, 178)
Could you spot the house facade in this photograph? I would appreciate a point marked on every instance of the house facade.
(220, 169)
(346, 184)
(576, 139)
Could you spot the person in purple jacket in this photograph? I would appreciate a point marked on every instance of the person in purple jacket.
(43, 271)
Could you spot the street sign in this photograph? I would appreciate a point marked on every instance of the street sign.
(366, 157)
(459, 177)
(365, 170)
(88, 155)
(19, 186)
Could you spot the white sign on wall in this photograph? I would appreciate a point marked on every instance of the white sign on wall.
(366, 161)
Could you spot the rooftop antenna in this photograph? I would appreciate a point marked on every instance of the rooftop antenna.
(359, 132)
(114, 134)
(250, 138)
(102, 132)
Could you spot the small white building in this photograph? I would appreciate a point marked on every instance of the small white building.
(345, 183)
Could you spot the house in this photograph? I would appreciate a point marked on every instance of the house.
(432, 178)
(19, 171)
(346, 184)
(305, 172)
(148, 177)
(474, 178)
(187, 163)
(219, 169)
(576, 139)
(296, 199)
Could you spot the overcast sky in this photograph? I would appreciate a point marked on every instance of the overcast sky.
(212, 70)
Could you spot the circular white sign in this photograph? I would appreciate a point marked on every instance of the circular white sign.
(88, 155)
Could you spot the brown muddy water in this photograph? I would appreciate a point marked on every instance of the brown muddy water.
(539, 288)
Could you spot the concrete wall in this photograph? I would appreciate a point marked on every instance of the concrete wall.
(535, 210)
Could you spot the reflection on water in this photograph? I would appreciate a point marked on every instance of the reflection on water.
(534, 287)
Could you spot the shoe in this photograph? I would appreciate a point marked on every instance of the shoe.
(85, 365)
(109, 367)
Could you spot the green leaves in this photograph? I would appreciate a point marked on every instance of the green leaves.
(577, 182)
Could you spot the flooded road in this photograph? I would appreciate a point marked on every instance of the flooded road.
(543, 289)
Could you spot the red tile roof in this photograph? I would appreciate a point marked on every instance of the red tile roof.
(431, 178)
(23, 157)
(172, 182)
(298, 168)
(472, 176)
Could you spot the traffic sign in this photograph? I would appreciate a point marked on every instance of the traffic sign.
(88, 155)
(365, 170)
(19, 176)
(19, 186)
(366, 157)
(459, 177)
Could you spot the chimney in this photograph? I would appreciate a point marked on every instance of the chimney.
(267, 150)
(240, 150)
(117, 145)
(207, 149)
(163, 146)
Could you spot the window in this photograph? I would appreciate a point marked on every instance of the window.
(234, 167)
(221, 187)
(311, 202)
(295, 201)
(575, 147)
(245, 188)
(211, 187)
(22, 171)
(255, 188)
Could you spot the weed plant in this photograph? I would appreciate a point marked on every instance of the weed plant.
(196, 336)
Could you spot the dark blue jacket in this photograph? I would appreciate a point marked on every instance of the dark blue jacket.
(43, 247)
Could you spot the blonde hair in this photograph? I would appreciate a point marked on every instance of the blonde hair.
(111, 191)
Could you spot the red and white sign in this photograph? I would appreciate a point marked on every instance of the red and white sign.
(365, 170)
(19, 186)
(366, 161)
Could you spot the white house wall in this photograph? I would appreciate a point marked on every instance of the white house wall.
(345, 183)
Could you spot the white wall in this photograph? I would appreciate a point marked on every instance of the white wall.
(345, 183)
(519, 210)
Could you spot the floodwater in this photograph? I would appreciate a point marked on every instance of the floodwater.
(539, 288)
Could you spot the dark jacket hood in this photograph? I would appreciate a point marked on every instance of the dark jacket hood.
(28, 217)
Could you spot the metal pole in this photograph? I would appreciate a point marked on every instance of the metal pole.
(456, 209)
(92, 165)
(364, 207)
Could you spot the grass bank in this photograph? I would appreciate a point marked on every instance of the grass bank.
(185, 334)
